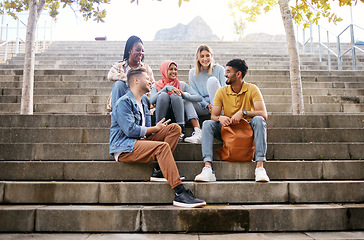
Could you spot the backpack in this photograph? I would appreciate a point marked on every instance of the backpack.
(238, 142)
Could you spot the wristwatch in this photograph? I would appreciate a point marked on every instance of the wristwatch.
(245, 112)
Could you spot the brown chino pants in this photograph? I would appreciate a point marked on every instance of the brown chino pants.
(158, 146)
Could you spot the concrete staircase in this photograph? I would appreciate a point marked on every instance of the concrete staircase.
(70, 77)
(56, 175)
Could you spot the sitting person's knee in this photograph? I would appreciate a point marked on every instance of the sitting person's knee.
(207, 124)
(258, 121)
(212, 80)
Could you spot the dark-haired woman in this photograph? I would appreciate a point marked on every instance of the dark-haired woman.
(133, 58)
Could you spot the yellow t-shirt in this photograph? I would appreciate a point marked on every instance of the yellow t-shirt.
(233, 102)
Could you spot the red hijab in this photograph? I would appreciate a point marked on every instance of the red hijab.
(165, 81)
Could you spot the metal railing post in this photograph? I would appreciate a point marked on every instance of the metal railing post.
(51, 37)
(311, 37)
(304, 41)
(44, 37)
(36, 40)
(17, 37)
(319, 43)
(6, 44)
(339, 62)
(2, 26)
(298, 43)
(328, 51)
(353, 46)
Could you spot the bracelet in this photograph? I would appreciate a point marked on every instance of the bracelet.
(218, 118)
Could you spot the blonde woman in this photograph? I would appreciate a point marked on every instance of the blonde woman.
(205, 79)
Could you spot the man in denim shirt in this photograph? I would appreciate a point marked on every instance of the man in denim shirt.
(133, 139)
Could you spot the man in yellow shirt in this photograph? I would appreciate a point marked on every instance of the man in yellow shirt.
(239, 100)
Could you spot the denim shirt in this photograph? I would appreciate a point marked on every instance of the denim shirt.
(126, 121)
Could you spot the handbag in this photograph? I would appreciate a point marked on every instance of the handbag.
(238, 142)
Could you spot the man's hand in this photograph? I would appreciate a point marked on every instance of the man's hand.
(237, 117)
(162, 124)
(225, 121)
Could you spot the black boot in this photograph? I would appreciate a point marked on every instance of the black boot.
(183, 133)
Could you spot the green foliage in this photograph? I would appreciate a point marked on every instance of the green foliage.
(239, 27)
(179, 1)
(88, 8)
(303, 11)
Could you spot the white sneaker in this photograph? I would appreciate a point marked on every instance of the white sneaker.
(261, 175)
(207, 175)
(195, 138)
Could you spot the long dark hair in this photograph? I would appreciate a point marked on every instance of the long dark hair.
(129, 45)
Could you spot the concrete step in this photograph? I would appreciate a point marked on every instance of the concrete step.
(101, 135)
(8, 88)
(62, 91)
(161, 193)
(103, 121)
(315, 91)
(99, 151)
(317, 108)
(313, 99)
(60, 84)
(270, 88)
(59, 99)
(180, 57)
(100, 108)
(183, 62)
(62, 108)
(233, 218)
(102, 99)
(337, 81)
(332, 235)
(107, 66)
(105, 171)
(265, 91)
(102, 84)
(56, 78)
(255, 72)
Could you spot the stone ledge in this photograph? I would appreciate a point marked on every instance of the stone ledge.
(225, 171)
(220, 192)
(233, 218)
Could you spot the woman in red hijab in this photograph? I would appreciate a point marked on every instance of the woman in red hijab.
(173, 99)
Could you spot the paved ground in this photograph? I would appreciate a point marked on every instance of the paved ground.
(236, 236)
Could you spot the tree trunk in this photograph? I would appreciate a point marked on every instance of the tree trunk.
(295, 71)
(35, 9)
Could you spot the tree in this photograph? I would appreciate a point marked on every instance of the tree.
(303, 12)
(88, 8)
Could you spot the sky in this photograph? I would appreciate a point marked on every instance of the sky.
(144, 20)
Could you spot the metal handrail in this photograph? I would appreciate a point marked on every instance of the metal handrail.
(326, 46)
(21, 24)
(5, 43)
(352, 47)
(339, 53)
(304, 42)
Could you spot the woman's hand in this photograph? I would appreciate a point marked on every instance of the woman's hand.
(176, 91)
(209, 107)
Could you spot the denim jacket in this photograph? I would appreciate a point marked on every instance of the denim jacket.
(126, 121)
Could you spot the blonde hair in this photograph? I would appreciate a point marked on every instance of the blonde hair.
(198, 64)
